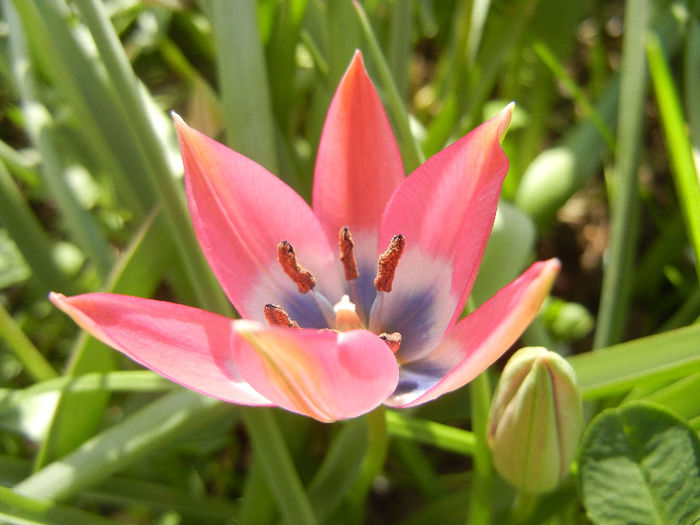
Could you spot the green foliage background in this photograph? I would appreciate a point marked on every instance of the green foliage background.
(604, 149)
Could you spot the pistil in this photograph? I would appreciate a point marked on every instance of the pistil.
(388, 262)
(345, 316)
(287, 257)
(278, 316)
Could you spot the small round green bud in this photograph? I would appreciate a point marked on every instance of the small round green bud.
(536, 420)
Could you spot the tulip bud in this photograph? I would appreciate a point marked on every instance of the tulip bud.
(536, 420)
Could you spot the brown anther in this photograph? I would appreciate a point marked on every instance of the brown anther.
(300, 275)
(388, 262)
(278, 316)
(393, 340)
(347, 257)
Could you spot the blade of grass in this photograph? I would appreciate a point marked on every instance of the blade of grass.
(412, 154)
(18, 509)
(479, 12)
(481, 490)
(431, 433)
(122, 381)
(623, 366)
(688, 313)
(371, 465)
(68, 60)
(691, 84)
(23, 164)
(399, 55)
(680, 396)
(31, 358)
(144, 432)
(420, 468)
(257, 496)
(39, 125)
(29, 235)
(677, 142)
(277, 465)
(339, 469)
(245, 92)
(615, 293)
(577, 94)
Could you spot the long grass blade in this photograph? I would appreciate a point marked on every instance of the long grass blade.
(615, 293)
(678, 143)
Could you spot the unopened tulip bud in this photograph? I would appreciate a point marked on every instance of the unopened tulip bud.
(536, 420)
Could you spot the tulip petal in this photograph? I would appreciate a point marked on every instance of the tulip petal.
(240, 212)
(323, 374)
(445, 210)
(186, 345)
(476, 341)
(358, 167)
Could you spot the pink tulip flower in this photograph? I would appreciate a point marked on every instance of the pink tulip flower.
(348, 304)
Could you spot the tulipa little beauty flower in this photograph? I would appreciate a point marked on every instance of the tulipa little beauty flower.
(348, 304)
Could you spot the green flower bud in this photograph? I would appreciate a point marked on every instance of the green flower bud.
(536, 420)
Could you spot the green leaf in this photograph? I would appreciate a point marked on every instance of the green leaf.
(245, 89)
(456, 440)
(15, 508)
(144, 432)
(624, 198)
(640, 464)
(677, 141)
(340, 467)
(13, 269)
(623, 366)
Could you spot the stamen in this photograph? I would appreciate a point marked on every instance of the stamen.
(388, 262)
(347, 257)
(300, 275)
(393, 340)
(278, 316)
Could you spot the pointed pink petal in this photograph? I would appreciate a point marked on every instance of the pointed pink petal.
(323, 374)
(240, 213)
(445, 210)
(358, 164)
(186, 345)
(476, 341)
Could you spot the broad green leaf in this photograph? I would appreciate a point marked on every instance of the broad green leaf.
(640, 464)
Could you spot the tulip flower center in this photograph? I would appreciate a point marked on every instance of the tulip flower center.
(345, 312)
